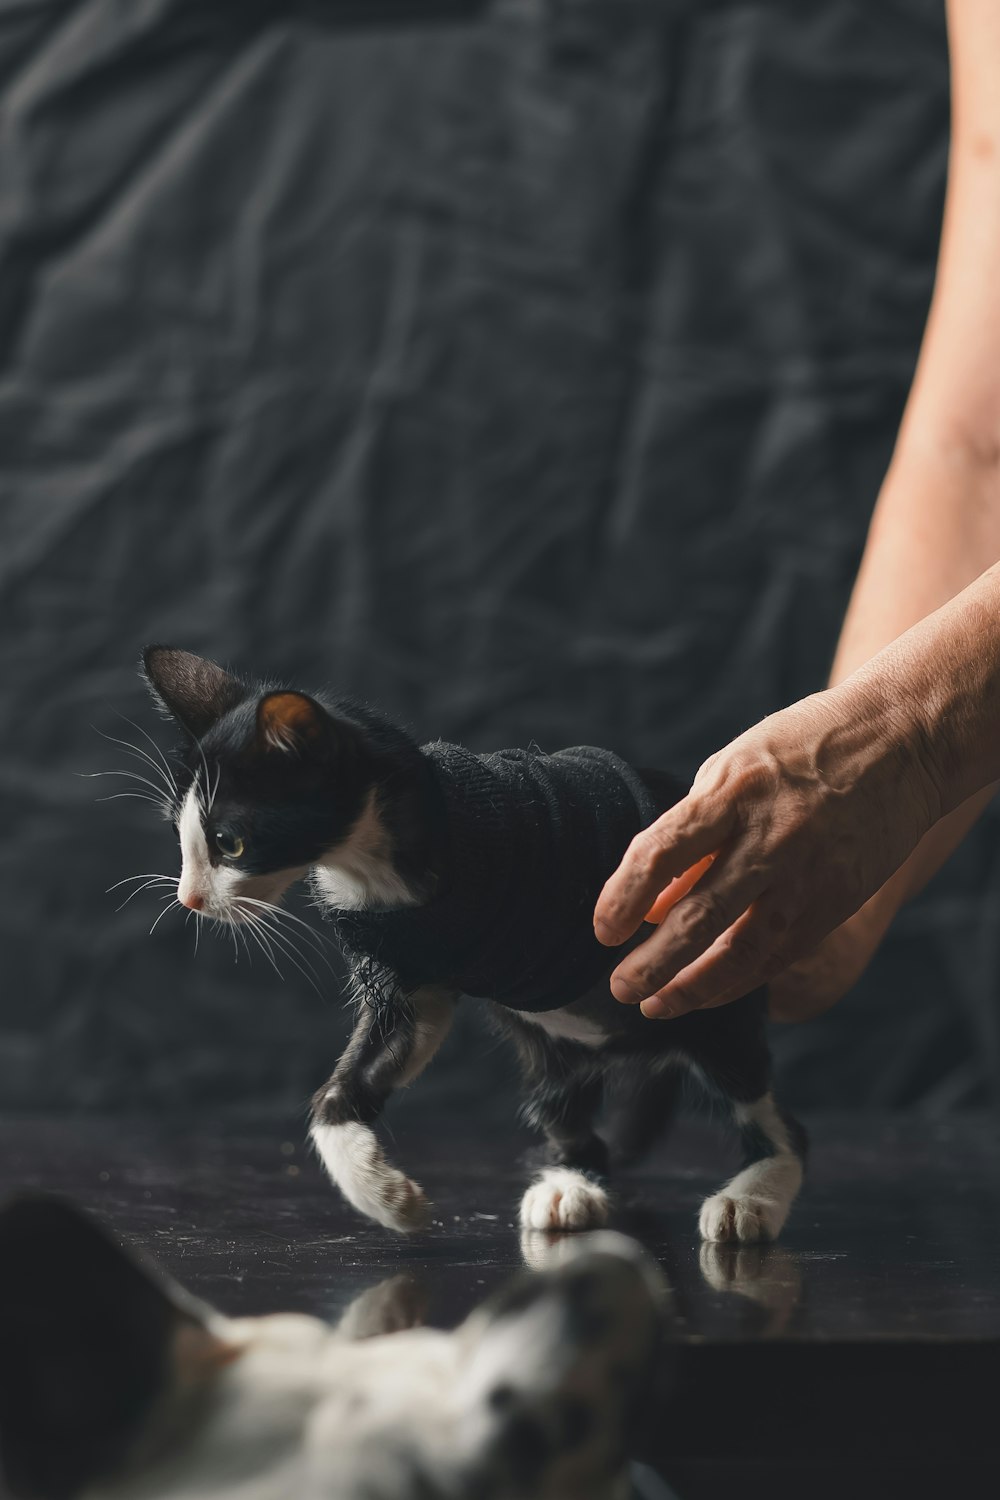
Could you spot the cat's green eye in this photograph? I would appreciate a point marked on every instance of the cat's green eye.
(229, 845)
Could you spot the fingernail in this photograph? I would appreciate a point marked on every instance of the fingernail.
(623, 991)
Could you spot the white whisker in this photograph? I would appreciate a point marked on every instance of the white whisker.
(246, 947)
(149, 875)
(270, 955)
(142, 796)
(202, 803)
(266, 950)
(163, 913)
(132, 775)
(162, 771)
(280, 913)
(286, 948)
(160, 880)
(277, 934)
(215, 788)
(197, 927)
(252, 923)
(294, 956)
(146, 736)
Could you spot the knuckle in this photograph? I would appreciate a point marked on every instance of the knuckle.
(736, 776)
(707, 767)
(701, 912)
(646, 851)
(753, 779)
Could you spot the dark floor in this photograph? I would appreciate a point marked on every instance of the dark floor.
(860, 1355)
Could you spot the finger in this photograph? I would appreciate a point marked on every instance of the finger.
(669, 897)
(753, 950)
(690, 831)
(710, 908)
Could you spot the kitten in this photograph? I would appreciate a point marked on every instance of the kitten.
(447, 873)
(114, 1385)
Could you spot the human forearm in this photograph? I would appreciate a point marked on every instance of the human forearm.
(940, 681)
(936, 527)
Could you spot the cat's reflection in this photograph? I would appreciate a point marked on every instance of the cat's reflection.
(766, 1274)
(391, 1306)
(118, 1385)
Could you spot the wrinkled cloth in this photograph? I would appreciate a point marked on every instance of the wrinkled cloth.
(530, 375)
(531, 840)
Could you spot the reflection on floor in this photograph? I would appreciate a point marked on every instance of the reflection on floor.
(858, 1351)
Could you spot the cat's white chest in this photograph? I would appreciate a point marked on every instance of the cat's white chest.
(567, 1026)
(359, 871)
(338, 888)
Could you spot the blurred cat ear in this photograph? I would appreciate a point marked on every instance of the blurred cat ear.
(89, 1339)
(195, 691)
(292, 722)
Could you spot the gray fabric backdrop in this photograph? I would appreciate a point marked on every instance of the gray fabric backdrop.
(531, 374)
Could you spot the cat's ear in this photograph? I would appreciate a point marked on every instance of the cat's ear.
(89, 1340)
(293, 723)
(195, 691)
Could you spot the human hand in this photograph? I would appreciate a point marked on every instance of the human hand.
(814, 983)
(804, 817)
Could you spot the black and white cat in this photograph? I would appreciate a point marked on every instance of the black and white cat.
(447, 873)
(115, 1385)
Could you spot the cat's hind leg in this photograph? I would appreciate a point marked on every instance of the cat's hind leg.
(381, 1056)
(754, 1204)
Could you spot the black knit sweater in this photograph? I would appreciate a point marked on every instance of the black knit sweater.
(532, 838)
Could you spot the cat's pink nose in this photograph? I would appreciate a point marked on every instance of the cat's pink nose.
(196, 903)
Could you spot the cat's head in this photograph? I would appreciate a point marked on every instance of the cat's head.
(271, 783)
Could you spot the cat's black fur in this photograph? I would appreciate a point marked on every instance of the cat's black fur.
(294, 777)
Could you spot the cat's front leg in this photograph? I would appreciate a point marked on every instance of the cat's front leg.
(383, 1054)
(755, 1203)
(564, 1096)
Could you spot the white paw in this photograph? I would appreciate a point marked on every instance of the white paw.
(744, 1219)
(402, 1204)
(355, 1161)
(564, 1199)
